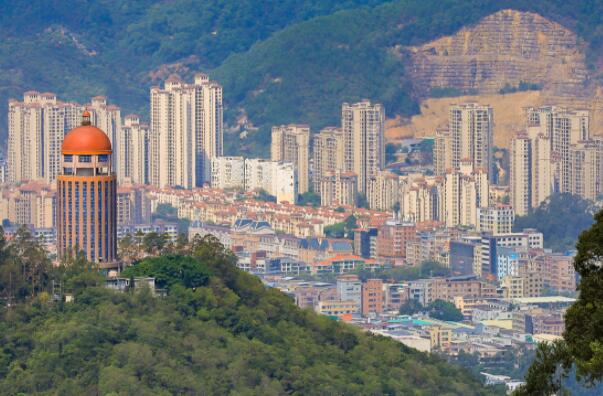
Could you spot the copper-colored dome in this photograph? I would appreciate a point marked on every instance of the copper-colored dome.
(87, 140)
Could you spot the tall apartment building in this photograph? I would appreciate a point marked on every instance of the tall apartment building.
(36, 128)
(133, 151)
(383, 191)
(521, 174)
(107, 118)
(291, 143)
(338, 188)
(569, 127)
(363, 126)
(470, 128)
(544, 169)
(422, 198)
(585, 176)
(32, 203)
(327, 154)
(186, 131)
(442, 152)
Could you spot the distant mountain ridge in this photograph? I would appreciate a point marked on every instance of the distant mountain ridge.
(289, 61)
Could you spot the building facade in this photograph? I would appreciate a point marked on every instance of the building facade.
(291, 143)
(363, 126)
(87, 196)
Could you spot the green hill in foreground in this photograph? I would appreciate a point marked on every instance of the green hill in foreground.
(219, 331)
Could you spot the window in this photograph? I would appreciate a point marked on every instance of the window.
(85, 158)
(103, 158)
(68, 158)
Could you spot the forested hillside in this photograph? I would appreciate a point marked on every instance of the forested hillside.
(219, 331)
(286, 61)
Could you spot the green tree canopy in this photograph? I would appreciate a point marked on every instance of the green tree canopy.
(560, 218)
(582, 343)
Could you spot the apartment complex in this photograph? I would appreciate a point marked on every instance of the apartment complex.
(186, 131)
(37, 126)
(253, 174)
(291, 143)
(555, 154)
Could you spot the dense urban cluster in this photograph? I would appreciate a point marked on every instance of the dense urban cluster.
(421, 248)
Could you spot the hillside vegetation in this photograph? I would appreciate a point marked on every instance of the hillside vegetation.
(287, 61)
(219, 331)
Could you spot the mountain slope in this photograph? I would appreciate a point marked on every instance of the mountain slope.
(305, 71)
(219, 331)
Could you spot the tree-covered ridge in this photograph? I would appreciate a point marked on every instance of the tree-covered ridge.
(218, 331)
(561, 218)
(286, 61)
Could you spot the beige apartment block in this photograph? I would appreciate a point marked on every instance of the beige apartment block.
(291, 143)
(186, 131)
(327, 154)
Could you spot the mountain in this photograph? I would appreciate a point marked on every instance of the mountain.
(289, 61)
(218, 331)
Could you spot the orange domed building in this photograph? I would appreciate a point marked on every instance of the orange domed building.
(87, 196)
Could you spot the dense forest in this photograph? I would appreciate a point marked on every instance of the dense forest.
(217, 331)
(280, 62)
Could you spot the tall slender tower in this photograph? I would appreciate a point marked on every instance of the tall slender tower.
(87, 195)
(363, 126)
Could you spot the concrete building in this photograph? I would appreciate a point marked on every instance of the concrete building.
(228, 172)
(470, 127)
(186, 131)
(31, 203)
(521, 174)
(569, 127)
(327, 154)
(585, 177)
(338, 188)
(442, 152)
(291, 143)
(465, 192)
(36, 128)
(107, 118)
(363, 126)
(276, 178)
(383, 191)
(393, 237)
(372, 297)
(86, 196)
(133, 150)
(349, 288)
(543, 169)
(496, 220)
